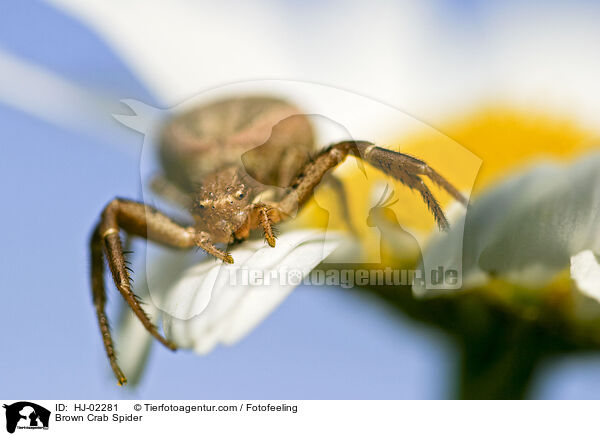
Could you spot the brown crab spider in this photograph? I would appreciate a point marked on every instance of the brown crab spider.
(201, 153)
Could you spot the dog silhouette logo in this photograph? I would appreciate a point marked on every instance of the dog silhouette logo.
(26, 415)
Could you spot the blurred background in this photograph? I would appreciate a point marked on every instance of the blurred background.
(510, 81)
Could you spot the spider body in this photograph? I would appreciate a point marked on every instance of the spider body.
(236, 165)
(218, 159)
(205, 140)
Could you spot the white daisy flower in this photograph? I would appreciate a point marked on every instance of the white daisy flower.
(529, 228)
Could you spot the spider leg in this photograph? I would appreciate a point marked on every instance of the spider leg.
(310, 176)
(202, 240)
(390, 162)
(261, 215)
(139, 220)
(394, 161)
(415, 182)
(99, 296)
(338, 186)
(168, 190)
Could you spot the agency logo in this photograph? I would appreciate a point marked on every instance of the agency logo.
(26, 415)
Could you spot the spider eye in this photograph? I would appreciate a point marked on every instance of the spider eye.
(240, 195)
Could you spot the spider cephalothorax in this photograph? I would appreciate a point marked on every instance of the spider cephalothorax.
(237, 165)
(223, 205)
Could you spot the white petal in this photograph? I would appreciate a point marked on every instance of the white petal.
(133, 344)
(234, 306)
(44, 94)
(527, 228)
(181, 47)
(585, 271)
(224, 313)
(259, 302)
(145, 117)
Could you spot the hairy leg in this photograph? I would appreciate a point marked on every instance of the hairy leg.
(139, 220)
(261, 216)
(383, 158)
(402, 167)
(168, 190)
(99, 297)
(337, 185)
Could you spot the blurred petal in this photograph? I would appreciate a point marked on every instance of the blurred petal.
(145, 118)
(526, 229)
(133, 343)
(181, 47)
(33, 89)
(508, 52)
(585, 271)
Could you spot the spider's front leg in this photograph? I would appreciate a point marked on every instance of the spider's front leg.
(402, 167)
(260, 215)
(139, 220)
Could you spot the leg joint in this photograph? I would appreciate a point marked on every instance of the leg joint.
(109, 231)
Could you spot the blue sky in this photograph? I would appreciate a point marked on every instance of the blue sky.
(321, 343)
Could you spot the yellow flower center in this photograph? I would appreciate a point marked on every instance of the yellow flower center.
(504, 139)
